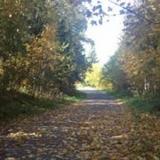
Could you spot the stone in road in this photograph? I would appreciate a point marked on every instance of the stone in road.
(97, 128)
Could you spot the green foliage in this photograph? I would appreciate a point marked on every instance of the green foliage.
(41, 53)
(137, 103)
(78, 96)
(114, 73)
(94, 76)
(134, 69)
(41, 46)
(135, 66)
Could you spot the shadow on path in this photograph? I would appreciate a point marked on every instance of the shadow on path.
(84, 131)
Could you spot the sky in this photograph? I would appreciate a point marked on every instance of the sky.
(106, 36)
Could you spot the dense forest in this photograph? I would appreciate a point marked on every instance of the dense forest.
(41, 46)
(135, 67)
(42, 61)
(42, 52)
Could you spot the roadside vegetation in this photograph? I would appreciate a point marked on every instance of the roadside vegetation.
(17, 105)
(137, 103)
(134, 70)
(94, 77)
(41, 54)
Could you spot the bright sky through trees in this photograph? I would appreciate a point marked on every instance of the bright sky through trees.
(107, 35)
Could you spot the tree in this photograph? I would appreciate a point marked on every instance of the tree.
(41, 46)
(138, 53)
(94, 76)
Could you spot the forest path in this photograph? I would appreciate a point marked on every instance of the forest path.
(98, 128)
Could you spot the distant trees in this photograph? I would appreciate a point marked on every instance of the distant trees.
(41, 51)
(136, 65)
(113, 73)
(94, 76)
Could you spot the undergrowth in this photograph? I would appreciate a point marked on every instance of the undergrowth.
(14, 105)
(138, 103)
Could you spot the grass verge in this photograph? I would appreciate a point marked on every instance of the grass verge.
(141, 104)
(15, 105)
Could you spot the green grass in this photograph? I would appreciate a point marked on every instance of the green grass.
(138, 103)
(143, 104)
(14, 105)
(78, 96)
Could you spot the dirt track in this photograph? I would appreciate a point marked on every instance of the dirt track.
(97, 128)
